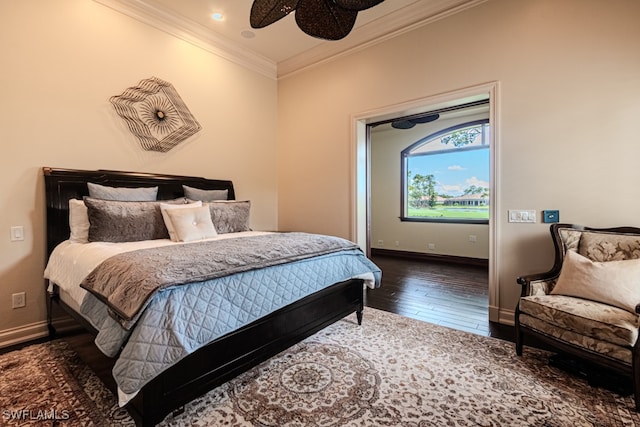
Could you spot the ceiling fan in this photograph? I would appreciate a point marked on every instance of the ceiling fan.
(409, 123)
(325, 19)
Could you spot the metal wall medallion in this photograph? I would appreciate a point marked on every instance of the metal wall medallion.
(155, 114)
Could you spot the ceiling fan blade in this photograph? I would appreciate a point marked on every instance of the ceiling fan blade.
(425, 119)
(357, 4)
(324, 19)
(266, 12)
(402, 124)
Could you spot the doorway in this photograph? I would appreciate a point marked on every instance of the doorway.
(361, 210)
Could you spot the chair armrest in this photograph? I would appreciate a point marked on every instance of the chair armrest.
(537, 284)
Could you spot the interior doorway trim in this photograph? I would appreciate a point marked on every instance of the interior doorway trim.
(360, 166)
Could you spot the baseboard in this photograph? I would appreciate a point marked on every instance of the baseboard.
(22, 334)
(431, 257)
(506, 317)
(32, 331)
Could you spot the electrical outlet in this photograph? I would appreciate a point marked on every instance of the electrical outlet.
(397, 243)
(18, 300)
(473, 238)
(431, 246)
(380, 242)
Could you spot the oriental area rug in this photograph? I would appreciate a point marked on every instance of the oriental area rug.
(391, 371)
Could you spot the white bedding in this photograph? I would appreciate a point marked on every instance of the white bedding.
(71, 262)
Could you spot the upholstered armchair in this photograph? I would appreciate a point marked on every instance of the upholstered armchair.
(588, 304)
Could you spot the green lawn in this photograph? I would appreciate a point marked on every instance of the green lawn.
(476, 212)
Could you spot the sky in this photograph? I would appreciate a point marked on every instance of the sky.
(454, 171)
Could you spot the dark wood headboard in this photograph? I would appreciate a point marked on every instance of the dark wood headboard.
(64, 184)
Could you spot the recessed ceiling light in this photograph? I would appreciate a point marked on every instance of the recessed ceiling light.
(217, 16)
(248, 34)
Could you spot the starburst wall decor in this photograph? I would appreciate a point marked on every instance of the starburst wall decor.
(155, 114)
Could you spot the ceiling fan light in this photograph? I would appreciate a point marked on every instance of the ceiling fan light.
(266, 12)
(357, 4)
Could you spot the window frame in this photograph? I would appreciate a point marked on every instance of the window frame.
(404, 158)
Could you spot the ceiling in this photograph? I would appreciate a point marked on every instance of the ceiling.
(280, 48)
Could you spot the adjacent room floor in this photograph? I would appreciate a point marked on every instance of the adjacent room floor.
(447, 294)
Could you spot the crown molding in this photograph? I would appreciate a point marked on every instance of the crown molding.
(387, 27)
(193, 33)
(401, 21)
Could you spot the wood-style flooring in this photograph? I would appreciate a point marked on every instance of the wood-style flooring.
(448, 294)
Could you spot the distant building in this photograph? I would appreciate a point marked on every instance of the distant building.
(467, 200)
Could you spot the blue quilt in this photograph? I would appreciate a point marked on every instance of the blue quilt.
(180, 320)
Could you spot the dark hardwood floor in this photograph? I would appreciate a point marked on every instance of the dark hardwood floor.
(448, 294)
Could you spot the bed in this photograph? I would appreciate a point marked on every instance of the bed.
(210, 350)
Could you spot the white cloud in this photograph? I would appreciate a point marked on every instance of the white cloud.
(451, 188)
(477, 182)
(456, 168)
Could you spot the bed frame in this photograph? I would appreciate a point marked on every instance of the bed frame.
(224, 358)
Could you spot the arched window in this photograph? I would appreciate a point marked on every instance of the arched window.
(445, 176)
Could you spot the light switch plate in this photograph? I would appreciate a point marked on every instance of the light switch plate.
(550, 216)
(519, 215)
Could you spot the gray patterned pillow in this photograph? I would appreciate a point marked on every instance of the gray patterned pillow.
(204, 195)
(230, 216)
(141, 194)
(124, 221)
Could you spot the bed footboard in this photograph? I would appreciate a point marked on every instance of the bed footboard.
(238, 351)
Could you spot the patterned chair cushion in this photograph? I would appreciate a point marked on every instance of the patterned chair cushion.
(602, 348)
(600, 321)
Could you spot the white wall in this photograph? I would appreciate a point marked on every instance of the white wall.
(448, 238)
(569, 81)
(61, 61)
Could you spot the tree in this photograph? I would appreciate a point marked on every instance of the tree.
(472, 189)
(422, 190)
(462, 137)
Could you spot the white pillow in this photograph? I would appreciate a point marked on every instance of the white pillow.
(615, 283)
(164, 207)
(78, 221)
(192, 224)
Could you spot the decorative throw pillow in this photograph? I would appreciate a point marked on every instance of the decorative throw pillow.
(615, 283)
(78, 221)
(204, 195)
(230, 216)
(193, 223)
(123, 221)
(164, 207)
(141, 194)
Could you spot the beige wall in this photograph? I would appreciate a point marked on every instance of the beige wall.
(61, 61)
(569, 76)
(569, 81)
(449, 239)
